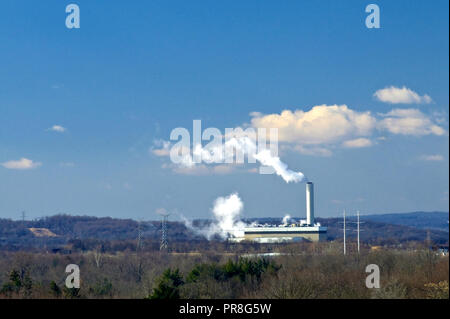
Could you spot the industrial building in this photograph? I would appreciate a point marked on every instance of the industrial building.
(297, 231)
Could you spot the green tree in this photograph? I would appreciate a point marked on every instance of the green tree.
(168, 285)
(55, 290)
(15, 283)
(27, 285)
(14, 278)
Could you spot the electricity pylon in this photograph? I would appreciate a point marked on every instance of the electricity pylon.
(164, 242)
(139, 238)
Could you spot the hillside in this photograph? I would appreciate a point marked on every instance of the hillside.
(16, 235)
(422, 220)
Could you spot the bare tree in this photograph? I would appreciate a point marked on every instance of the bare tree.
(98, 256)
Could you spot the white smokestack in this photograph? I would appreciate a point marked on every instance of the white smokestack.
(310, 203)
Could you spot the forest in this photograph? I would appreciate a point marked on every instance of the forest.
(297, 270)
(121, 258)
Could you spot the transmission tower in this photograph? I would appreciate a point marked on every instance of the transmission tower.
(23, 216)
(139, 238)
(164, 242)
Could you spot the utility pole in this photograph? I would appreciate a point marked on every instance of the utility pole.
(345, 250)
(357, 214)
(428, 240)
(358, 229)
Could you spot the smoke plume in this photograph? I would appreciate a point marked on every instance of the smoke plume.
(286, 219)
(226, 223)
(224, 153)
(281, 169)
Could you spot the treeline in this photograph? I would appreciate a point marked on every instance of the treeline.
(16, 235)
(423, 220)
(82, 232)
(312, 271)
(202, 277)
(382, 233)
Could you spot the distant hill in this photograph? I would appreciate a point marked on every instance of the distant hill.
(422, 220)
(381, 232)
(59, 230)
(374, 232)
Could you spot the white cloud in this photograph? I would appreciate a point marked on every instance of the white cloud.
(323, 124)
(57, 128)
(337, 124)
(223, 169)
(160, 151)
(432, 158)
(193, 170)
(357, 143)
(313, 151)
(409, 122)
(314, 132)
(323, 127)
(202, 169)
(395, 95)
(22, 164)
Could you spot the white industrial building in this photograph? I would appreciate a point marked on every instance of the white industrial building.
(302, 230)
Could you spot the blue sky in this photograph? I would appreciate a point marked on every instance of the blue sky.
(133, 72)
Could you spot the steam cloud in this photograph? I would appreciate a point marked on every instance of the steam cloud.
(281, 169)
(227, 211)
(244, 146)
(286, 219)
